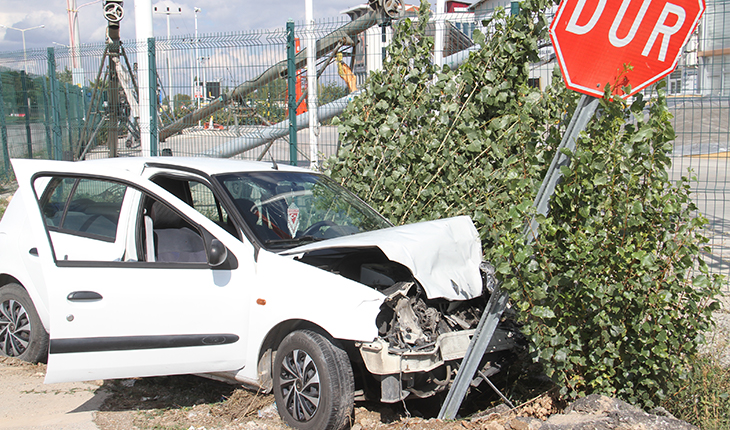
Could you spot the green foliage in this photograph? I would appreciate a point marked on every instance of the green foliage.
(422, 143)
(65, 76)
(607, 293)
(330, 92)
(182, 99)
(14, 99)
(270, 102)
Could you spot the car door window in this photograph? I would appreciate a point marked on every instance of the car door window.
(82, 216)
(84, 207)
(170, 238)
(204, 201)
(200, 196)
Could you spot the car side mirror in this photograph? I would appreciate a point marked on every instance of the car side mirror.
(217, 253)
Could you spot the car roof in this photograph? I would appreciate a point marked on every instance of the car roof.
(136, 165)
(212, 166)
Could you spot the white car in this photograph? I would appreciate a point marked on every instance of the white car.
(269, 276)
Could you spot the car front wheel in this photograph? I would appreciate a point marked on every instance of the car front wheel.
(313, 382)
(21, 333)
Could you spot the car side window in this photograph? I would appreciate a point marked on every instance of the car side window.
(83, 207)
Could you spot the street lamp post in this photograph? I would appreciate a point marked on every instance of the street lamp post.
(73, 36)
(22, 32)
(312, 84)
(205, 79)
(197, 57)
(167, 10)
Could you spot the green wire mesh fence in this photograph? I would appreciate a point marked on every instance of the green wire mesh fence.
(56, 104)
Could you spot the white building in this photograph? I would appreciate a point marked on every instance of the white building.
(370, 49)
(702, 70)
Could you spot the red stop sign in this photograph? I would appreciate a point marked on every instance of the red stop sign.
(593, 39)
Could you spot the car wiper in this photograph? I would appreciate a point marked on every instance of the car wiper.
(293, 241)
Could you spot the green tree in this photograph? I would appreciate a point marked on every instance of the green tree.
(269, 102)
(613, 293)
(65, 76)
(330, 92)
(181, 99)
(15, 102)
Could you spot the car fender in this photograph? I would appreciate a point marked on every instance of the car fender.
(295, 290)
(292, 290)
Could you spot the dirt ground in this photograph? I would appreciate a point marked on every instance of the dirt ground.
(26, 403)
(242, 409)
(189, 403)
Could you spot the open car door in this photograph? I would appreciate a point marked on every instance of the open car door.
(117, 307)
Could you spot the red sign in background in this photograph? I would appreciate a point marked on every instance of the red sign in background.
(593, 39)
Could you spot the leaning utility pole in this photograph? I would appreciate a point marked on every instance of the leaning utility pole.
(382, 10)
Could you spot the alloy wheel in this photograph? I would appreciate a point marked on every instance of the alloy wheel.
(299, 385)
(14, 328)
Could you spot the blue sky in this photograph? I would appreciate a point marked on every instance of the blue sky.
(216, 16)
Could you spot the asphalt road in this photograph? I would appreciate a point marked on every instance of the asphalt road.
(709, 193)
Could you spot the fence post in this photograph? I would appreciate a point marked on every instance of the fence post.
(153, 96)
(80, 109)
(4, 129)
(55, 106)
(68, 94)
(48, 119)
(26, 107)
(291, 85)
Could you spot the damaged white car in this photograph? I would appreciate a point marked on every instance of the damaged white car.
(270, 276)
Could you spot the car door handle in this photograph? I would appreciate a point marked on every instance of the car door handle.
(33, 252)
(84, 296)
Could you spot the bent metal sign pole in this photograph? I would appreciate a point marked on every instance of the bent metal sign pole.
(623, 44)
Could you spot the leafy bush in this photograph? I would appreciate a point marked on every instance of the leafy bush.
(424, 144)
(606, 292)
(613, 302)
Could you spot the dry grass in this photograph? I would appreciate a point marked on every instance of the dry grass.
(7, 188)
(704, 399)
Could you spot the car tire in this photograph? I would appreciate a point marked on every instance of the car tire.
(22, 334)
(313, 382)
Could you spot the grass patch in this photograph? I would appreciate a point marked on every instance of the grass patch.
(704, 400)
(3, 206)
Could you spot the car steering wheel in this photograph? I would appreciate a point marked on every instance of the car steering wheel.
(317, 226)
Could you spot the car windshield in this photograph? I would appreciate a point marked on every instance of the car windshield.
(287, 209)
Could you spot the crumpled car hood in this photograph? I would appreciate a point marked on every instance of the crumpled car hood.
(443, 255)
